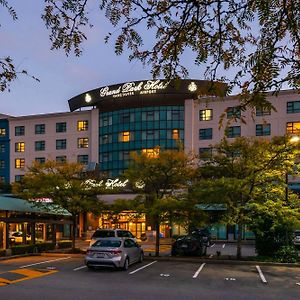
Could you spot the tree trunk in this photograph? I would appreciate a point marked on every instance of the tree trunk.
(239, 241)
(157, 238)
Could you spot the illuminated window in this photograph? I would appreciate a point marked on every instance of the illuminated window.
(83, 143)
(2, 132)
(293, 127)
(19, 163)
(19, 130)
(83, 125)
(20, 147)
(175, 134)
(153, 153)
(206, 115)
(125, 136)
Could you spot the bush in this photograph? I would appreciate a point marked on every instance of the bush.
(22, 249)
(287, 254)
(2, 252)
(64, 244)
(45, 246)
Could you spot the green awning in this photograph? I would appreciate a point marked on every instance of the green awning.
(10, 203)
(215, 206)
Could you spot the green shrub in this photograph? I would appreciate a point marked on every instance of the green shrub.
(22, 249)
(64, 244)
(287, 254)
(45, 246)
(2, 252)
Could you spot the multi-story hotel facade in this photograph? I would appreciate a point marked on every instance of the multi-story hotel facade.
(106, 124)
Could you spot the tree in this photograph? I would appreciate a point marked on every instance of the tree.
(251, 45)
(246, 174)
(64, 185)
(161, 178)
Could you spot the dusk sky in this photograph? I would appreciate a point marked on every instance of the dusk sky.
(61, 77)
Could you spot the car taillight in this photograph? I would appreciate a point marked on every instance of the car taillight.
(116, 252)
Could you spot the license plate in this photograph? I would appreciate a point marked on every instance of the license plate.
(184, 246)
(99, 255)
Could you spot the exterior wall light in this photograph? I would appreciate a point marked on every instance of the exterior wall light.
(88, 98)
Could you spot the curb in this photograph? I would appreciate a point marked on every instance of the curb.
(19, 255)
(220, 261)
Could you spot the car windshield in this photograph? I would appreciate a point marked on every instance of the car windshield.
(107, 244)
(103, 234)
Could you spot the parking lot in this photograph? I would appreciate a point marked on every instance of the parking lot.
(66, 277)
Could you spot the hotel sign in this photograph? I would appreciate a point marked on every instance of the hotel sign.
(134, 88)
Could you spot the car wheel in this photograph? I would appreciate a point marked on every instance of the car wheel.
(141, 257)
(126, 264)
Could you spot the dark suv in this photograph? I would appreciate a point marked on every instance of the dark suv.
(203, 234)
(107, 233)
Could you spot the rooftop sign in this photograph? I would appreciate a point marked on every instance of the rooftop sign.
(133, 88)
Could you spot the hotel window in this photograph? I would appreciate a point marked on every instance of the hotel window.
(293, 127)
(61, 144)
(39, 128)
(39, 145)
(263, 129)
(2, 148)
(150, 116)
(205, 153)
(83, 159)
(206, 115)
(2, 131)
(153, 153)
(175, 134)
(2, 179)
(20, 147)
(126, 117)
(233, 131)
(19, 163)
(19, 130)
(83, 125)
(124, 155)
(40, 160)
(83, 143)
(150, 135)
(106, 157)
(263, 111)
(125, 136)
(61, 127)
(293, 107)
(2, 164)
(175, 115)
(106, 139)
(105, 121)
(61, 159)
(233, 112)
(205, 134)
(18, 178)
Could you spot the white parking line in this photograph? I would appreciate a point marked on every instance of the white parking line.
(212, 245)
(79, 268)
(45, 262)
(261, 275)
(223, 246)
(143, 267)
(198, 271)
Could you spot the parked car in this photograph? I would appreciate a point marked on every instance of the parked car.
(17, 237)
(107, 233)
(297, 238)
(113, 252)
(204, 234)
(188, 245)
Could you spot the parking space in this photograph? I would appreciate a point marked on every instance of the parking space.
(156, 277)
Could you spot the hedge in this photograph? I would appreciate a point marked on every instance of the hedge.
(64, 244)
(2, 252)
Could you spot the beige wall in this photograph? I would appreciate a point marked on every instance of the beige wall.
(50, 137)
